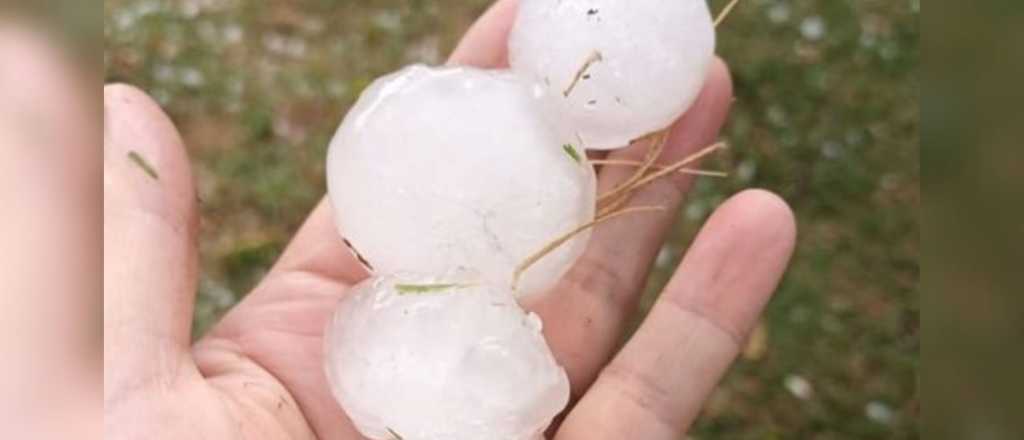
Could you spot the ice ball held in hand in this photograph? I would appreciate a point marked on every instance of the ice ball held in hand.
(477, 181)
(439, 169)
(615, 70)
(419, 357)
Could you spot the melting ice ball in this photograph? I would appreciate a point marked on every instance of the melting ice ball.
(439, 169)
(408, 357)
(616, 70)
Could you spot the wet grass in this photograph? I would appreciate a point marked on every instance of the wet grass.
(826, 115)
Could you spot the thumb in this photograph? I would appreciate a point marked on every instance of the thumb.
(150, 256)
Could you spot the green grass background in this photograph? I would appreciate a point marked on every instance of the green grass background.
(826, 115)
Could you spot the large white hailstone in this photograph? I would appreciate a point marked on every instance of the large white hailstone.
(439, 169)
(410, 357)
(616, 70)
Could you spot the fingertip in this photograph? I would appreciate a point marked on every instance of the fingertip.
(144, 156)
(720, 77)
(702, 122)
(117, 95)
(485, 44)
(716, 97)
(768, 213)
(114, 89)
(130, 111)
(735, 264)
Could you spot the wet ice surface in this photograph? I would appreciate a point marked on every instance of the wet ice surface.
(439, 169)
(654, 56)
(406, 357)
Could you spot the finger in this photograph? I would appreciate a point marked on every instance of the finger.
(656, 385)
(317, 247)
(149, 229)
(585, 314)
(486, 42)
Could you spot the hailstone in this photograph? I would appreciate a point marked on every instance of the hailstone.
(440, 169)
(408, 356)
(615, 70)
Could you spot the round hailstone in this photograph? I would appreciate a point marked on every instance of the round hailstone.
(617, 70)
(408, 357)
(456, 169)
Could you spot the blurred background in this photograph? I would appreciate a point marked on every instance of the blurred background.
(827, 115)
(50, 222)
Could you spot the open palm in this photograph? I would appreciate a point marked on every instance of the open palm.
(258, 374)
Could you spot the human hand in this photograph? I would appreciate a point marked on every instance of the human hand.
(259, 373)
